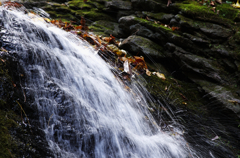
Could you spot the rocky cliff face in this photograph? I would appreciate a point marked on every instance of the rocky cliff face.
(196, 48)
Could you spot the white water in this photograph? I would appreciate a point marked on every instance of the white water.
(83, 110)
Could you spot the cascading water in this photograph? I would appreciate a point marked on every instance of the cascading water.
(83, 109)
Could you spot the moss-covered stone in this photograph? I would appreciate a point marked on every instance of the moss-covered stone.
(177, 93)
(104, 27)
(195, 10)
(143, 46)
(17, 137)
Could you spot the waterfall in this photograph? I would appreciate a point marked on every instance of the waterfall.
(84, 111)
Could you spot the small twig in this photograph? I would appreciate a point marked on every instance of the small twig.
(24, 114)
(49, 119)
(10, 153)
(25, 98)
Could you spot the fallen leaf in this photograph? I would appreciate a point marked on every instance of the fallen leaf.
(47, 20)
(148, 72)
(12, 5)
(212, 3)
(237, 5)
(127, 67)
(169, 2)
(175, 28)
(219, 1)
(213, 9)
(234, 101)
(14, 85)
(215, 138)
(160, 75)
(184, 103)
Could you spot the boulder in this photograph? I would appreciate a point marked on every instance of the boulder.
(195, 66)
(141, 31)
(140, 45)
(148, 5)
(163, 17)
(211, 30)
(227, 97)
(105, 27)
(125, 23)
(119, 5)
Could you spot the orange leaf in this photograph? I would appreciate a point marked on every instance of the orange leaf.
(175, 28)
(78, 27)
(83, 21)
(12, 4)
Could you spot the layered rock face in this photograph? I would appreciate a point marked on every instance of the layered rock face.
(196, 48)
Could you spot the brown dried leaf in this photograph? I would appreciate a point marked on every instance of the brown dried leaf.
(212, 3)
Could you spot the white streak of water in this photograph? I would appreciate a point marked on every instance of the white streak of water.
(88, 111)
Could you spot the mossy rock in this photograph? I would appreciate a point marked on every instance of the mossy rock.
(17, 137)
(137, 44)
(195, 10)
(105, 28)
(209, 29)
(177, 93)
(163, 17)
(93, 15)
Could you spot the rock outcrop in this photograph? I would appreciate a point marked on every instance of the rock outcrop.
(196, 48)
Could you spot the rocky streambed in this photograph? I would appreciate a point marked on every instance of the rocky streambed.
(196, 48)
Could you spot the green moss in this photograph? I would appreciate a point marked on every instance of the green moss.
(79, 4)
(178, 93)
(7, 121)
(152, 24)
(195, 10)
(7, 117)
(94, 15)
(157, 16)
(227, 11)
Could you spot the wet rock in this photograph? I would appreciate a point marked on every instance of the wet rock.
(181, 41)
(173, 22)
(228, 65)
(216, 31)
(209, 29)
(148, 5)
(119, 5)
(20, 136)
(139, 45)
(163, 17)
(122, 13)
(222, 95)
(196, 39)
(141, 31)
(195, 64)
(125, 23)
(105, 27)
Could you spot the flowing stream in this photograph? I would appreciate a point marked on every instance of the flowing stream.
(83, 109)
